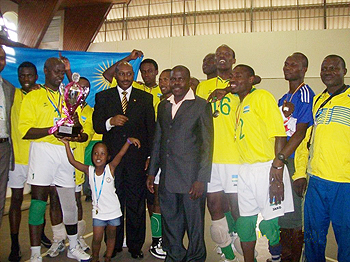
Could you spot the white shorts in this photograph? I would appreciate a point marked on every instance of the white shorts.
(157, 177)
(224, 177)
(78, 188)
(48, 165)
(18, 177)
(253, 192)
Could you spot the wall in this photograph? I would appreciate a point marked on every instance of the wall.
(7, 5)
(265, 52)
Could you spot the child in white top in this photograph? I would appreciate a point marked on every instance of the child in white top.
(106, 211)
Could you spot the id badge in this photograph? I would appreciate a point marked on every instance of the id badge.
(2, 113)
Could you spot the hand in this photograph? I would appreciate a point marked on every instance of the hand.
(55, 134)
(118, 120)
(276, 183)
(65, 61)
(135, 142)
(197, 190)
(147, 163)
(64, 140)
(217, 95)
(150, 183)
(287, 108)
(299, 186)
(135, 54)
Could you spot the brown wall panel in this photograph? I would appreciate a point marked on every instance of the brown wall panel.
(34, 17)
(81, 24)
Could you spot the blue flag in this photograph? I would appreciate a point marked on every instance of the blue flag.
(88, 64)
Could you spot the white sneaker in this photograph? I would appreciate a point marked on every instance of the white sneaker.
(78, 254)
(157, 250)
(223, 259)
(84, 246)
(36, 258)
(56, 248)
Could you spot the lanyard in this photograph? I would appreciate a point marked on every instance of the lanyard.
(99, 194)
(52, 103)
(296, 90)
(239, 109)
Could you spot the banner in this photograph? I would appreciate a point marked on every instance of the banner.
(88, 64)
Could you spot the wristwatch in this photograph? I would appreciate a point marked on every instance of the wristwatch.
(282, 158)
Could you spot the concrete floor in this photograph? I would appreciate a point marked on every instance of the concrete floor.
(123, 256)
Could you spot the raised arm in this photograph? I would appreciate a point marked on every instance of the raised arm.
(109, 73)
(71, 159)
(116, 160)
(67, 68)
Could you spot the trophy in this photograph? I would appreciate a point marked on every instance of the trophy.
(73, 95)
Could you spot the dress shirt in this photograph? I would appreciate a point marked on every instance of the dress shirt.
(175, 106)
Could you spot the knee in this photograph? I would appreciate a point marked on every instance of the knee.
(36, 212)
(271, 230)
(246, 228)
(219, 232)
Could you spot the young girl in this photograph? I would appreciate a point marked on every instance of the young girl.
(106, 207)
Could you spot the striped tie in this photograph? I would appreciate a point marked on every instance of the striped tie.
(124, 101)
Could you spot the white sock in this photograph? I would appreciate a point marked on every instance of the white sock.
(73, 240)
(35, 250)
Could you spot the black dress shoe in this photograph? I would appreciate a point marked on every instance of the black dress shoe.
(138, 254)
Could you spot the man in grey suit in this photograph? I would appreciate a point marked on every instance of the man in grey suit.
(7, 92)
(182, 149)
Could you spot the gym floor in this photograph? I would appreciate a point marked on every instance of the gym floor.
(124, 256)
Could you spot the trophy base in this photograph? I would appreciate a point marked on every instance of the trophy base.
(69, 131)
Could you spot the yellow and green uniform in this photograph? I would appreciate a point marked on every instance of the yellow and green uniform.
(85, 118)
(258, 122)
(20, 146)
(224, 131)
(37, 111)
(326, 159)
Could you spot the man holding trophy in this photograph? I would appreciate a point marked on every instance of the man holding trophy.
(43, 111)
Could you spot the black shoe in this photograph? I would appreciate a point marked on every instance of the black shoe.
(45, 241)
(138, 254)
(15, 255)
(88, 199)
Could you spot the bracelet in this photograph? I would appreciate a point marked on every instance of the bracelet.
(129, 142)
(277, 167)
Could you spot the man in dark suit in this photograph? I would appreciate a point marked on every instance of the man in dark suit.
(123, 112)
(7, 92)
(182, 149)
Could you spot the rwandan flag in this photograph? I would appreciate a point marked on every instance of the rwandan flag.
(88, 64)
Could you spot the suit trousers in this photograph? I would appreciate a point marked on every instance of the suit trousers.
(131, 191)
(181, 214)
(5, 154)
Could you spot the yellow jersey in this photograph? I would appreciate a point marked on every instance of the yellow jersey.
(225, 148)
(85, 119)
(330, 143)
(20, 146)
(40, 108)
(258, 122)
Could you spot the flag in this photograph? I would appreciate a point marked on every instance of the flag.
(88, 64)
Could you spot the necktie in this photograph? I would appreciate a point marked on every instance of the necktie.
(124, 101)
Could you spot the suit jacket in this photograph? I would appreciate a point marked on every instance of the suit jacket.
(141, 124)
(9, 92)
(183, 146)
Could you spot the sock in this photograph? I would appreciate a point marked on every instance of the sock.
(14, 242)
(276, 252)
(230, 222)
(73, 240)
(35, 250)
(156, 225)
(228, 252)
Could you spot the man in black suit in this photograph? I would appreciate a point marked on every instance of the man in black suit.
(123, 112)
(182, 149)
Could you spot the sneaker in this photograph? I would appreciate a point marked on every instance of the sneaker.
(56, 248)
(157, 250)
(82, 243)
(78, 254)
(15, 255)
(45, 241)
(36, 258)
